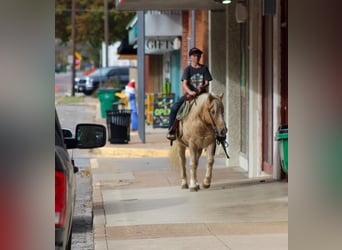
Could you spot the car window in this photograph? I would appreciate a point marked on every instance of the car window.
(118, 72)
(100, 72)
(58, 132)
(113, 72)
(123, 71)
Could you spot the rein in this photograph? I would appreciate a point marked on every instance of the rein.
(220, 140)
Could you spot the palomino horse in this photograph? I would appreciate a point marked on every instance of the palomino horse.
(198, 130)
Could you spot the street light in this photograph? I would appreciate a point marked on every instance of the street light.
(223, 1)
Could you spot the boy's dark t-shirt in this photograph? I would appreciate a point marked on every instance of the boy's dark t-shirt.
(196, 76)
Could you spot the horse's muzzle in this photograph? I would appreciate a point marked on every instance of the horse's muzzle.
(221, 134)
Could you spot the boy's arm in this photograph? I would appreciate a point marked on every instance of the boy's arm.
(204, 87)
(187, 89)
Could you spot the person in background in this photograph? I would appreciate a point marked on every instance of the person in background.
(195, 80)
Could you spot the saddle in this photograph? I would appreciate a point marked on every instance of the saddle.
(184, 110)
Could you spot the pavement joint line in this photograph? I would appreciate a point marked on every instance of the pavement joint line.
(216, 236)
(176, 230)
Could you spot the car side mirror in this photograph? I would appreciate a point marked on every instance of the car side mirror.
(90, 135)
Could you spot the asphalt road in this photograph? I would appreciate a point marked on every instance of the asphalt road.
(63, 83)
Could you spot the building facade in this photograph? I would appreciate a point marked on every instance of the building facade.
(245, 45)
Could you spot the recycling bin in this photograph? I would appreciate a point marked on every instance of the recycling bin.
(282, 137)
(107, 97)
(118, 125)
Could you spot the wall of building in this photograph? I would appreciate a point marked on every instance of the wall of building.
(225, 66)
(217, 62)
(217, 52)
(201, 35)
(233, 84)
(255, 90)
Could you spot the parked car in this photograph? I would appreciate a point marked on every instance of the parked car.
(88, 84)
(86, 136)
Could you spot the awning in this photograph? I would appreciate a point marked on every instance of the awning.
(167, 5)
(126, 49)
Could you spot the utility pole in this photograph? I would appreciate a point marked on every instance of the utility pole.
(106, 31)
(141, 74)
(193, 28)
(73, 37)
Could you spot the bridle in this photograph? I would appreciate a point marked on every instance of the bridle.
(219, 139)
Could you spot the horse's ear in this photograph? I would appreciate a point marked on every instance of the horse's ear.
(210, 97)
(221, 96)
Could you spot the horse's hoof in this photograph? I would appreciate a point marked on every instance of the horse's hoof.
(206, 186)
(194, 189)
(185, 186)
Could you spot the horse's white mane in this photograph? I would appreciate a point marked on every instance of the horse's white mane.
(200, 101)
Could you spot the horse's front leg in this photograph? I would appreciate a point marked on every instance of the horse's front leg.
(181, 154)
(210, 162)
(194, 158)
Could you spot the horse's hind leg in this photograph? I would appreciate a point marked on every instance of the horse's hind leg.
(181, 154)
(195, 155)
(210, 158)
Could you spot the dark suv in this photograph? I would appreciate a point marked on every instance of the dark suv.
(88, 84)
(86, 136)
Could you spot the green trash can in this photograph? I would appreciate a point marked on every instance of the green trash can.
(282, 137)
(107, 97)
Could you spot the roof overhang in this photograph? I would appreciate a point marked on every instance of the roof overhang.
(126, 49)
(135, 5)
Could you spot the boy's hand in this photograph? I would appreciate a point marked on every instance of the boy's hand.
(193, 93)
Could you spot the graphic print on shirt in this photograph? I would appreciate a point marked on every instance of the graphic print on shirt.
(196, 80)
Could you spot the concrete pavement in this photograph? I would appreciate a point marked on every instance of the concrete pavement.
(138, 202)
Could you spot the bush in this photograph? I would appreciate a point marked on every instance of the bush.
(111, 84)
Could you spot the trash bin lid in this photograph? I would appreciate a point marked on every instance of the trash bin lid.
(282, 133)
(283, 129)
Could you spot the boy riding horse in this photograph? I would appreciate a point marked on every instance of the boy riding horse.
(195, 80)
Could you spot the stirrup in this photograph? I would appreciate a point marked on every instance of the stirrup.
(171, 137)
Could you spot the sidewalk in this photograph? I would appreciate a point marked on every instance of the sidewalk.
(138, 202)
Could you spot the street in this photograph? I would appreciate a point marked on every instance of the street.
(63, 83)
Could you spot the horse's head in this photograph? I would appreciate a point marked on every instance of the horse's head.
(216, 115)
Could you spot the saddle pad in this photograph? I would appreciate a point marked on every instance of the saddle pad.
(183, 110)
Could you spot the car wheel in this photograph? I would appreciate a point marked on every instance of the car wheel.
(88, 92)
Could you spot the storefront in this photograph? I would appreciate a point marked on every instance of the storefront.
(246, 52)
(162, 52)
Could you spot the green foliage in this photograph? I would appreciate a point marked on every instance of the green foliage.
(90, 24)
(111, 84)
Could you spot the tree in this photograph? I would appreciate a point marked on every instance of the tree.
(90, 24)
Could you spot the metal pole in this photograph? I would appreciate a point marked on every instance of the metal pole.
(193, 27)
(73, 45)
(106, 31)
(141, 75)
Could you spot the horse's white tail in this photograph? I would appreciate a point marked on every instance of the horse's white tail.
(174, 157)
